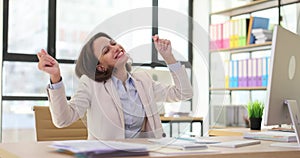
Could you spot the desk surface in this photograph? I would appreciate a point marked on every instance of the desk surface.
(182, 118)
(229, 131)
(238, 131)
(263, 150)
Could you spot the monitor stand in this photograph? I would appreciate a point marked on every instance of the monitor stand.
(295, 117)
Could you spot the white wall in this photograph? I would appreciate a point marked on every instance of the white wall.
(1, 46)
(218, 5)
(200, 60)
(298, 19)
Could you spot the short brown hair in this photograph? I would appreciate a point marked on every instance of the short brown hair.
(87, 62)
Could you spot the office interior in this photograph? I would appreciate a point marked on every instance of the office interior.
(61, 26)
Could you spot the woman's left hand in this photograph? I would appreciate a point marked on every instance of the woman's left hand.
(163, 46)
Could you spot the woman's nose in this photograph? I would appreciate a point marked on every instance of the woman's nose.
(116, 49)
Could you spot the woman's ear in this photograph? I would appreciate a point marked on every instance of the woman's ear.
(101, 68)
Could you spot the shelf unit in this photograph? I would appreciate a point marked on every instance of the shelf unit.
(238, 88)
(252, 47)
(245, 9)
(234, 111)
(254, 6)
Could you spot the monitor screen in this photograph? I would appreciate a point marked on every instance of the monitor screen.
(284, 76)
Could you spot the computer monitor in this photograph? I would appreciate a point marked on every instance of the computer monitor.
(283, 91)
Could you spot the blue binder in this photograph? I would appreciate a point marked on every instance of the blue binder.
(265, 74)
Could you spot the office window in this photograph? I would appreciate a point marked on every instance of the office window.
(218, 5)
(18, 120)
(27, 24)
(73, 28)
(290, 17)
(81, 17)
(62, 26)
(23, 79)
(69, 78)
(176, 30)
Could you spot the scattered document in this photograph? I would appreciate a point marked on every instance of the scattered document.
(97, 148)
(198, 140)
(236, 143)
(272, 135)
(171, 151)
(286, 145)
(206, 141)
(178, 144)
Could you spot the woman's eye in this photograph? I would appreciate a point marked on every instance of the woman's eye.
(105, 50)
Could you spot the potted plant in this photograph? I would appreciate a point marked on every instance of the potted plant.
(255, 112)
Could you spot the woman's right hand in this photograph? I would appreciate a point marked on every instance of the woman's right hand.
(49, 65)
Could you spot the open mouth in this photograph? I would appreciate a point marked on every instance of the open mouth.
(119, 54)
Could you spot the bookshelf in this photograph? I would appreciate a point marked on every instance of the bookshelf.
(238, 109)
(238, 88)
(248, 9)
(254, 6)
(247, 48)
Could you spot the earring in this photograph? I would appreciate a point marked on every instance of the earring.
(100, 68)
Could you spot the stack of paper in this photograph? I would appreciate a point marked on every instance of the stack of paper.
(178, 144)
(262, 35)
(207, 141)
(172, 151)
(198, 140)
(96, 148)
(272, 135)
(236, 143)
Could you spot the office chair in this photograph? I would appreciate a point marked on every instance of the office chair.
(46, 131)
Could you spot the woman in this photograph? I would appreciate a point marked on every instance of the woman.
(118, 104)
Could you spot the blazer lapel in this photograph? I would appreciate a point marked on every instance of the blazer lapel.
(109, 85)
(143, 97)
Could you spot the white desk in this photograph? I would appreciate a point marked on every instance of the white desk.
(263, 150)
(183, 119)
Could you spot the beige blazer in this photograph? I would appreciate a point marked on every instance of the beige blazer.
(101, 103)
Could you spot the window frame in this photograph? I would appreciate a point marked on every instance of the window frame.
(51, 48)
(51, 43)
